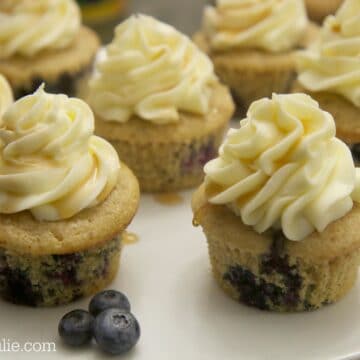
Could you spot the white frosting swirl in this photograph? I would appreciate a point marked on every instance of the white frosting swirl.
(30, 26)
(333, 63)
(271, 25)
(153, 71)
(50, 161)
(6, 96)
(285, 168)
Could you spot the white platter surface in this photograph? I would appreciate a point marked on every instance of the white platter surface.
(182, 312)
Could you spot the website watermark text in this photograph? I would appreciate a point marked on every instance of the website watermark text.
(7, 345)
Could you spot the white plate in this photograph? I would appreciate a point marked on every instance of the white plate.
(183, 314)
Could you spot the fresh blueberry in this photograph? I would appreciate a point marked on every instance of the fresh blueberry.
(116, 331)
(108, 299)
(75, 328)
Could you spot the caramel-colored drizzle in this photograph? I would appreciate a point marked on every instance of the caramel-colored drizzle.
(169, 199)
(129, 238)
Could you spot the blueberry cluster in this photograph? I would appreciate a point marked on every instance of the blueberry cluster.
(199, 156)
(256, 291)
(253, 291)
(109, 321)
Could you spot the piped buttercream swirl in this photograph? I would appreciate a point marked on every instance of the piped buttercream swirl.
(152, 71)
(270, 25)
(285, 168)
(50, 162)
(333, 63)
(6, 96)
(30, 26)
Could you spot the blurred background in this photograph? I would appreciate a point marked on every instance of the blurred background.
(103, 15)
(185, 15)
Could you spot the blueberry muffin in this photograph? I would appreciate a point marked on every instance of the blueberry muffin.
(330, 72)
(280, 208)
(252, 44)
(319, 9)
(159, 103)
(6, 96)
(65, 200)
(44, 41)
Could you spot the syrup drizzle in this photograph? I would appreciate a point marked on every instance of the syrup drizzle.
(129, 238)
(195, 222)
(169, 199)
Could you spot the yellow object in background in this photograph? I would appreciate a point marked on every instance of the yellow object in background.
(99, 11)
(103, 15)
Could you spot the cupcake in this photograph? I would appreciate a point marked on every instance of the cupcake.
(319, 9)
(330, 72)
(44, 41)
(6, 96)
(157, 100)
(64, 202)
(280, 208)
(252, 43)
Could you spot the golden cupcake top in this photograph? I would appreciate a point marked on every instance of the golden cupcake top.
(28, 27)
(6, 96)
(50, 162)
(284, 168)
(333, 63)
(152, 71)
(270, 25)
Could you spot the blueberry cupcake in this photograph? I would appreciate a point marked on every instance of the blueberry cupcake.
(330, 72)
(280, 208)
(159, 103)
(44, 41)
(6, 96)
(65, 200)
(319, 9)
(252, 43)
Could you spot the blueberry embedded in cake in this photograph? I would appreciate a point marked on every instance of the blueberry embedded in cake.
(55, 279)
(278, 238)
